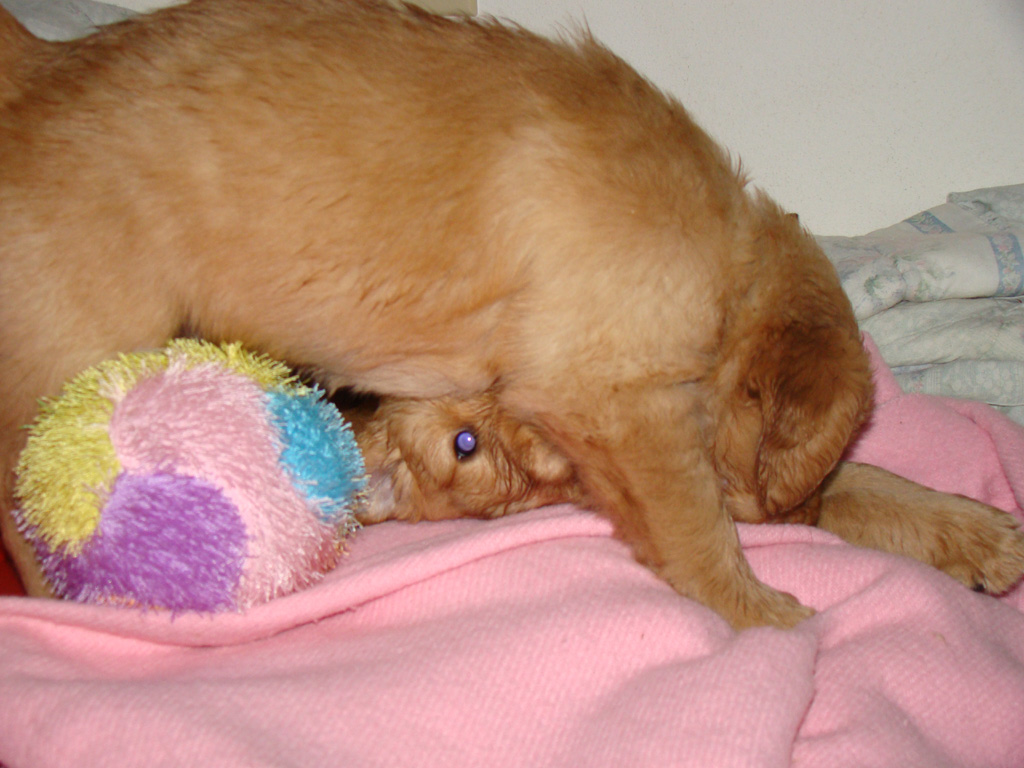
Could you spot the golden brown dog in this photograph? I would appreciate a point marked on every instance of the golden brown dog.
(426, 208)
(421, 466)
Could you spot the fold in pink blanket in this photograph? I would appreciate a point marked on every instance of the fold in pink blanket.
(536, 640)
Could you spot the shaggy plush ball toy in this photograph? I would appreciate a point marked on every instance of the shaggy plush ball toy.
(199, 477)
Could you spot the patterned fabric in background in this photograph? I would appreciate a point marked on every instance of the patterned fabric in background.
(64, 19)
(942, 294)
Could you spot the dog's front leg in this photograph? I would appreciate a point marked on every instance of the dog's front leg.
(643, 460)
(979, 545)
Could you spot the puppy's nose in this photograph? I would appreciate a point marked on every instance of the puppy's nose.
(377, 502)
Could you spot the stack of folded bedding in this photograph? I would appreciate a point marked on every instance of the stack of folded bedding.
(941, 294)
(64, 19)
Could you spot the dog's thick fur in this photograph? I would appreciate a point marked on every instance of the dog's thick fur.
(415, 473)
(427, 208)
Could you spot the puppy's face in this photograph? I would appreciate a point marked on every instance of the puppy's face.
(447, 458)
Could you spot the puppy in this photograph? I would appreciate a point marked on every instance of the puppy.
(419, 207)
(443, 458)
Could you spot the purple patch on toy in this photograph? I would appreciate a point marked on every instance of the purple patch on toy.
(165, 540)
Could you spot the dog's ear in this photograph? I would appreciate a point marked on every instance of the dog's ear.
(793, 381)
(814, 388)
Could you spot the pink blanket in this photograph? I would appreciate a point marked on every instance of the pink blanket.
(536, 640)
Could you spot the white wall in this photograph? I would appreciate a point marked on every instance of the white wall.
(854, 114)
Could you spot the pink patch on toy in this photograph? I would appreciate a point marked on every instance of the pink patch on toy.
(213, 424)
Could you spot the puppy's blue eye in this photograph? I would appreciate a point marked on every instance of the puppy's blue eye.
(465, 444)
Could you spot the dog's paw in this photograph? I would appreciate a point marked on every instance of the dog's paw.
(766, 607)
(984, 551)
(785, 612)
(740, 598)
(978, 545)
